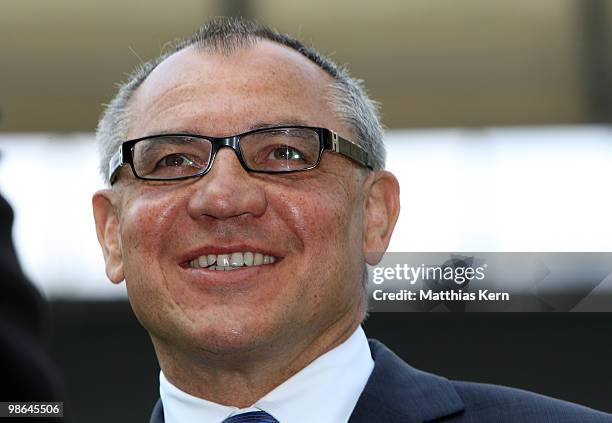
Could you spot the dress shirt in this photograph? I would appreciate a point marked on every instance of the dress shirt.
(325, 391)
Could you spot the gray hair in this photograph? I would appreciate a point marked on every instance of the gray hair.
(225, 35)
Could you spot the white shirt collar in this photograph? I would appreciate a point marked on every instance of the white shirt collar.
(325, 391)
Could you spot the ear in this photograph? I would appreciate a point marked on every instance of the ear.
(382, 208)
(107, 229)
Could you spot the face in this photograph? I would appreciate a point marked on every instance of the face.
(317, 224)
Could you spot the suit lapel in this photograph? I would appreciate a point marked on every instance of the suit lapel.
(398, 393)
(158, 413)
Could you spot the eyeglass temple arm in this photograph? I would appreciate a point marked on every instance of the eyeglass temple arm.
(114, 164)
(349, 149)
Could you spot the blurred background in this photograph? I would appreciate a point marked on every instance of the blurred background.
(498, 126)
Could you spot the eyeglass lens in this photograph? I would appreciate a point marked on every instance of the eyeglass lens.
(273, 150)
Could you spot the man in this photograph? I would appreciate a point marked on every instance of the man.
(247, 195)
(28, 373)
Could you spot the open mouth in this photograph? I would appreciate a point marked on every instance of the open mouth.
(231, 261)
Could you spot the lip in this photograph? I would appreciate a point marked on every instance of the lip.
(185, 258)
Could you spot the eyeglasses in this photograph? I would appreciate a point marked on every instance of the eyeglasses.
(279, 149)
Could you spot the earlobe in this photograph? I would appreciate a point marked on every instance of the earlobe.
(107, 229)
(381, 212)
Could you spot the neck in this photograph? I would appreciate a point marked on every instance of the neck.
(241, 378)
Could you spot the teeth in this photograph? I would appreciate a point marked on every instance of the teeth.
(223, 260)
(231, 261)
(236, 260)
(222, 268)
(202, 261)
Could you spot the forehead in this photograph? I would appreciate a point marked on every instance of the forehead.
(224, 94)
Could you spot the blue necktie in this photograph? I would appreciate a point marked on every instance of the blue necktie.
(251, 417)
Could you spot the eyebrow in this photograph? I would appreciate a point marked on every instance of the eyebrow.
(287, 122)
(252, 127)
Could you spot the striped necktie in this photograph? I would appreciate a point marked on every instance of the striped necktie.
(251, 417)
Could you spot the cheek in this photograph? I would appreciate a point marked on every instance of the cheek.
(316, 218)
(327, 223)
(146, 223)
(326, 220)
(147, 226)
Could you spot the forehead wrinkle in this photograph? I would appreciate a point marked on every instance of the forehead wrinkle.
(206, 123)
(168, 95)
(194, 97)
(222, 119)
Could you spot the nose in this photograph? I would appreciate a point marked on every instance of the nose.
(227, 190)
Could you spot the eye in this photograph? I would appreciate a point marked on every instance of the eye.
(175, 160)
(287, 153)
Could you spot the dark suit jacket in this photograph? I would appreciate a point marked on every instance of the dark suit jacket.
(398, 393)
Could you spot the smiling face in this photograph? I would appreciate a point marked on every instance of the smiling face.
(312, 223)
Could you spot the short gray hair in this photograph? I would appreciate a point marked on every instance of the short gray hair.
(225, 35)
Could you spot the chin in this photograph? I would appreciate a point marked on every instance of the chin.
(228, 337)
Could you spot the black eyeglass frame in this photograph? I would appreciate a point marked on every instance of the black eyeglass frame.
(328, 140)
